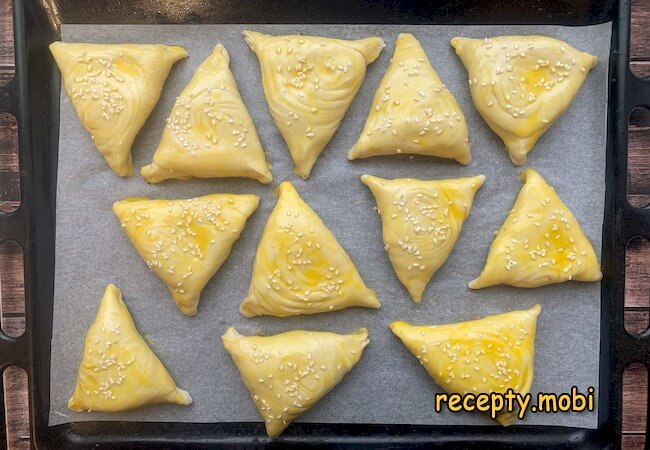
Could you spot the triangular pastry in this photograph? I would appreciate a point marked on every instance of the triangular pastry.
(421, 221)
(522, 84)
(413, 112)
(300, 268)
(309, 83)
(539, 243)
(185, 242)
(492, 354)
(288, 373)
(113, 89)
(118, 370)
(209, 133)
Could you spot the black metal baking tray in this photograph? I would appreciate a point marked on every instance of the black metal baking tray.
(33, 97)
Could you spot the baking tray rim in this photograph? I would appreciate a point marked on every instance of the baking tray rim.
(33, 223)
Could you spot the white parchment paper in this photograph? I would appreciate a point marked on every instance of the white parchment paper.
(388, 385)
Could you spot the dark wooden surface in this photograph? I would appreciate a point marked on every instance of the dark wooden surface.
(637, 316)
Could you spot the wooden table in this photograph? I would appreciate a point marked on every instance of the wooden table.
(637, 313)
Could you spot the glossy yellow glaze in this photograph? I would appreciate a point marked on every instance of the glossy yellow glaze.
(300, 268)
(492, 354)
(118, 370)
(413, 111)
(522, 84)
(288, 373)
(309, 83)
(209, 133)
(113, 89)
(185, 242)
(539, 243)
(421, 220)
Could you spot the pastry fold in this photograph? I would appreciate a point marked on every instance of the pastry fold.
(288, 373)
(488, 355)
(209, 133)
(113, 89)
(309, 83)
(522, 84)
(118, 370)
(300, 268)
(421, 222)
(413, 111)
(185, 242)
(539, 243)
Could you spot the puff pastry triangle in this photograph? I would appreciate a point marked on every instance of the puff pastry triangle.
(209, 132)
(300, 268)
(309, 83)
(185, 242)
(412, 111)
(522, 84)
(113, 89)
(492, 354)
(421, 222)
(539, 243)
(118, 370)
(288, 373)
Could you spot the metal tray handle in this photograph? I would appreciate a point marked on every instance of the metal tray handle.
(632, 92)
(13, 225)
(639, 97)
(638, 224)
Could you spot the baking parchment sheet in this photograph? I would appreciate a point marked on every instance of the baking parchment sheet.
(92, 250)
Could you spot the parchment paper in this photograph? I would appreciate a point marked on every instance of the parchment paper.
(388, 385)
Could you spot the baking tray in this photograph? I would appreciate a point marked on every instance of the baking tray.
(33, 97)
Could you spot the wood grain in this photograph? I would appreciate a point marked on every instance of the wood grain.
(637, 315)
(635, 395)
(634, 441)
(640, 68)
(637, 273)
(9, 176)
(12, 289)
(16, 400)
(637, 321)
(640, 24)
(6, 34)
(638, 183)
(6, 42)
